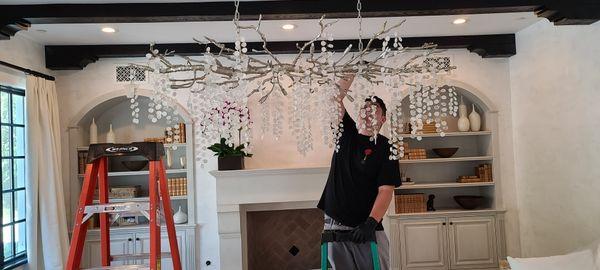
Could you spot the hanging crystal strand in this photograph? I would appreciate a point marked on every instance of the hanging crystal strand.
(265, 116)
(300, 120)
(415, 110)
(396, 126)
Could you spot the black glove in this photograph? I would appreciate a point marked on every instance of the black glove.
(365, 231)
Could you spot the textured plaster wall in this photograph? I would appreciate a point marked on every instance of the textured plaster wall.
(555, 88)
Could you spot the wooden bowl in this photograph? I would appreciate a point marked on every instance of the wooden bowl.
(134, 165)
(445, 152)
(469, 202)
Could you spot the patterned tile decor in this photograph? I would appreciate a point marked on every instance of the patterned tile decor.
(284, 239)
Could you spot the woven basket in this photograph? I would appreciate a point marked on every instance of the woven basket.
(411, 203)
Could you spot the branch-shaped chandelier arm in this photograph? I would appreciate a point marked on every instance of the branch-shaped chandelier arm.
(221, 83)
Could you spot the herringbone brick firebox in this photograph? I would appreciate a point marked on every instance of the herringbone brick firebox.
(284, 239)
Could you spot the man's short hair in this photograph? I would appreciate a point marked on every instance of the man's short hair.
(379, 102)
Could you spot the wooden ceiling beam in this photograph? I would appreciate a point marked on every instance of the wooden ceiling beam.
(69, 57)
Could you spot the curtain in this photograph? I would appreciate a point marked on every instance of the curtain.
(47, 236)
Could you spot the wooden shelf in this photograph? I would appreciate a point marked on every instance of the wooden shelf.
(445, 185)
(141, 199)
(85, 148)
(450, 134)
(446, 212)
(133, 173)
(443, 160)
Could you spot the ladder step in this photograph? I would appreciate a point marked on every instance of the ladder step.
(121, 267)
(138, 256)
(132, 208)
(113, 208)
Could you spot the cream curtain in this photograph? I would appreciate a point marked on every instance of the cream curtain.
(47, 236)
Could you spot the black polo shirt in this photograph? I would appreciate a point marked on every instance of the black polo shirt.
(357, 170)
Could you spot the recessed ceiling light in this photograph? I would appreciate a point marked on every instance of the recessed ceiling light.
(108, 30)
(459, 21)
(288, 26)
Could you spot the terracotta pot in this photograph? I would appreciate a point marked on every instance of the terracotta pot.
(231, 163)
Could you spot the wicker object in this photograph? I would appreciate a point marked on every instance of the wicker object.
(411, 203)
(124, 192)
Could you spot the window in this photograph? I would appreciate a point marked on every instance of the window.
(12, 152)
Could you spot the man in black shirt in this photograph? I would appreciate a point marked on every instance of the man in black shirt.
(360, 186)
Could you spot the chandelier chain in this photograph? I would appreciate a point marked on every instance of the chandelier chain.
(236, 15)
(359, 17)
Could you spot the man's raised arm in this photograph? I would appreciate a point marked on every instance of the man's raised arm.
(344, 84)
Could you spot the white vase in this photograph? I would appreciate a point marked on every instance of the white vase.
(475, 120)
(169, 158)
(180, 217)
(110, 136)
(93, 132)
(463, 121)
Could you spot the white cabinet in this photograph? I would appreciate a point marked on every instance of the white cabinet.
(473, 242)
(120, 244)
(143, 247)
(423, 244)
(127, 241)
(446, 242)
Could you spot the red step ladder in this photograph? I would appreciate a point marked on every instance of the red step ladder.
(96, 174)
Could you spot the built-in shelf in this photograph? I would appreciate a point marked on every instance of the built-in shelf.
(445, 185)
(140, 199)
(450, 134)
(167, 145)
(134, 173)
(446, 212)
(438, 160)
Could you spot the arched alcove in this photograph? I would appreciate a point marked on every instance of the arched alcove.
(471, 97)
(114, 108)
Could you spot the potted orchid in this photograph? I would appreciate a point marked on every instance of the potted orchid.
(230, 156)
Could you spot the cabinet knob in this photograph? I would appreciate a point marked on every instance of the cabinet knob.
(129, 239)
(137, 239)
(444, 224)
(451, 223)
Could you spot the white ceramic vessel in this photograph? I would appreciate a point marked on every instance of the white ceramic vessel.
(463, 121)
(475, 120)
(93, 132)
(110, 136)
(180, 217)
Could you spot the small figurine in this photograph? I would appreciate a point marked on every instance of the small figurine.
(430, 203)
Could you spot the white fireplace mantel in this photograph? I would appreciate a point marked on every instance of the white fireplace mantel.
(256, 190)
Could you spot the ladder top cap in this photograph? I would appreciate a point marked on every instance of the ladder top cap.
(152, 151)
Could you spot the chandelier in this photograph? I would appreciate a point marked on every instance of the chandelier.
(219, 84)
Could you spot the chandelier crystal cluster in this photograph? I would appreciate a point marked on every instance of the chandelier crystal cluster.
(302, 90)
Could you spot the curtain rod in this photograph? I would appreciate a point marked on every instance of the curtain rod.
(28, 71)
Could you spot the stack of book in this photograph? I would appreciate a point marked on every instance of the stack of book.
(177, 186)
(469, 179)
(483, 174)
(416, 153)
(484, 171)
(427, 128)
(81, 161)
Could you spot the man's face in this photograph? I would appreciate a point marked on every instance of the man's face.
(372, 122)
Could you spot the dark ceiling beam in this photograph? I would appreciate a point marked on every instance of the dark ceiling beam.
(71, 57)
(559, 12)
(250, 10)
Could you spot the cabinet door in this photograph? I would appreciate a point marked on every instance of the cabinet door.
(423, 244)
(472, 242)
(143, 246)
(120, 244)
